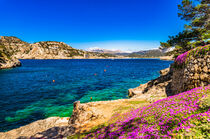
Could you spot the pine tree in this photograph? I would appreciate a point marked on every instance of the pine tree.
(197, 31)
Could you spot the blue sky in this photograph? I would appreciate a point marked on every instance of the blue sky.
(113, 24)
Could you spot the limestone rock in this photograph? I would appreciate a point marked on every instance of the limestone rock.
(53, 126)
(158, 87)
(195, 74)
(164, 71)
(204, 77)
(83, 114)
(14, 48)
(196, 67)
(5, 63)
(205, 69)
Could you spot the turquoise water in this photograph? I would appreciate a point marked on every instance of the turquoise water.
(28, 93)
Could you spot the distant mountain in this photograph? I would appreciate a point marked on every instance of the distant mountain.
(148, 53)
(101, 50)
(143, 53)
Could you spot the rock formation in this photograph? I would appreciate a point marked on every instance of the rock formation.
(12, 49)
(175, 80)
(194, 74)
(7, 60)
(85, 116)
(154, 89)
(53, 127)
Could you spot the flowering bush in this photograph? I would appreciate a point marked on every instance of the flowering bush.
(176, 115)
(183, 58)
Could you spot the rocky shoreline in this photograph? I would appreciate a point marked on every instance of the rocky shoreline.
(10, 64)
(85, 116)
(155, 89)
(88, 115)
(13, 48)
(16, 63)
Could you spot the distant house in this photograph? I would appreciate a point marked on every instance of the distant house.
(86, 55)
(54, 47)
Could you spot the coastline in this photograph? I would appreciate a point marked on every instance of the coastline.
(162, 58)
(17, 63)
(10, 64)
(85, 116)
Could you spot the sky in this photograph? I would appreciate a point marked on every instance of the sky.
(128, 25)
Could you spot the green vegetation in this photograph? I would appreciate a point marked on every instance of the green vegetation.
(123, 109)
(196, 33)
(4, 54)
(136, 102)
(82, 135)
(184, 58)
(147, 53)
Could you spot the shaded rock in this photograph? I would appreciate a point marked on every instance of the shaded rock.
(164, 71)
(37, 128)
(154, 89)
(205, 69)
(10, 64)
(194, 74)
(82, 114)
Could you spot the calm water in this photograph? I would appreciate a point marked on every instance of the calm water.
(28, 93)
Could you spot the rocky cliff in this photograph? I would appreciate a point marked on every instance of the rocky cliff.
(194, 74)
(13, 48)
(155, 89)
(190, 70)
(6, 58)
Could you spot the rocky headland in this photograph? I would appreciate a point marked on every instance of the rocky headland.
(13, 48)
(7, 60)
(9, 63)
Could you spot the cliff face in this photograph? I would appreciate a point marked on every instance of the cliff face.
(12, 49)
(174, 80)
(155, 89)
(50, 50)
(6, 58)
(194, 74)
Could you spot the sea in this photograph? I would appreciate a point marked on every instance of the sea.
(45, 88)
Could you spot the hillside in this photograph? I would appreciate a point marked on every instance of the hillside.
(148, 53)
(102, 50)
(143, 53)
(13, 48)
(6, 59)
(185, 114)
(43, 49)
